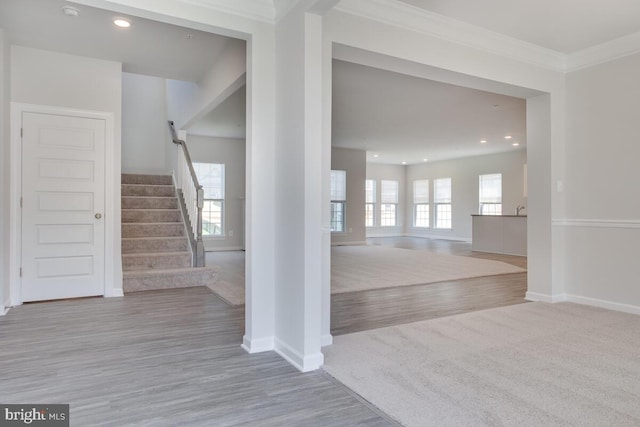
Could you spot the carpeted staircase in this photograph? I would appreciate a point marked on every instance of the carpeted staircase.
(155, 246)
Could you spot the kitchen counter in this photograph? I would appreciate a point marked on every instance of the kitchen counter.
(501, 234)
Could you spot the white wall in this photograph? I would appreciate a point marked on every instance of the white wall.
(398, 173)
(464, 192)
(54, 79)
(602, 224)
(354, 162)
(423, 48)
(146, 140)
(5, 89)
(231, 152)
(187, 101)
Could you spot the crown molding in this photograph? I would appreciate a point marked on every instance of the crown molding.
(259, 10)
(403, 15)
(605, 52)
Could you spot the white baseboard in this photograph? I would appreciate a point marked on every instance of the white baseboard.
(439, 237)
(302, 363)
(4, 310)
(385, 235)
(348, 243)
(326, 340)
(257, 345)
(611, 305)
(577, 299)
(114, 293)
(222, 248)
(536, 296)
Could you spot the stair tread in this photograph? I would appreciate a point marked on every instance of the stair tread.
(154, 210)
(149, 197)
(153, 223)
(159, 272)
(148, 185)
(155, 237)
(143, 254)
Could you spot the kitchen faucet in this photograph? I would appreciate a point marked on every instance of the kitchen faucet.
(518, 209)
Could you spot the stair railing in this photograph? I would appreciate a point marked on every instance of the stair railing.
(191, 195)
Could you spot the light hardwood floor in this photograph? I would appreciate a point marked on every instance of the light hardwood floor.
(161, 358)
(362, 310)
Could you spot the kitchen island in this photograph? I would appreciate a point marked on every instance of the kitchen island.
(501, 234)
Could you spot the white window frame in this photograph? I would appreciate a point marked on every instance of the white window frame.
(338, 194)
(490, 194)
(443, 209)
(388, 203)
(214, 194)
(370, 203)
(421, 203)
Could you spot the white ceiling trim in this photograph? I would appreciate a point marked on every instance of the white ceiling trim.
(259, 10)
(614, 49)
(403, 15)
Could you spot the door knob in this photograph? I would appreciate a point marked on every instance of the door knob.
(98, 215)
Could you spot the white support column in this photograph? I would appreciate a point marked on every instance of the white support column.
(260, 197)
(299, 186)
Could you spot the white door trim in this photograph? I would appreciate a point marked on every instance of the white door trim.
(112, 279)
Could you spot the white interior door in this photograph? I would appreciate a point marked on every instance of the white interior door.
(63, 184)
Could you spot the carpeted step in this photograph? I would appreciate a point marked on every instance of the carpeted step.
(156, 261)
(148, 190)
(151, 215)
(130, 178)
(134, 281)
(137, 245)
(138, 202)
(156, 229)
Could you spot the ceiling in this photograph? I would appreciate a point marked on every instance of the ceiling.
(409, 119)
(147, 47)
(227, 120)
(565, 26)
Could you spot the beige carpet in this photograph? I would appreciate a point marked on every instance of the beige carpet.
(356, 268)
(530, 364)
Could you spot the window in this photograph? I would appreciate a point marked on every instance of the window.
(491, 194)
(388, 203)
(442, 201)
(421, 203)
(338, 200)
(211, 177)
(370, 203)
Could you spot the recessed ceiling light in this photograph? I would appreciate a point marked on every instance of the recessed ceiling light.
(425, 160)
(507, 137)
(121, 22)
(515, 144)
(376, 155)
(70, 11)
(404, 163)
(483, 141)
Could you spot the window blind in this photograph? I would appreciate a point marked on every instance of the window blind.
(211, 177)
(338, 185)
(491, 188)
(370, 191)
(388, 191)
(442, 189)
(421, 191)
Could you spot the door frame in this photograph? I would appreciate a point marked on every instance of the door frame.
(112, 281)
